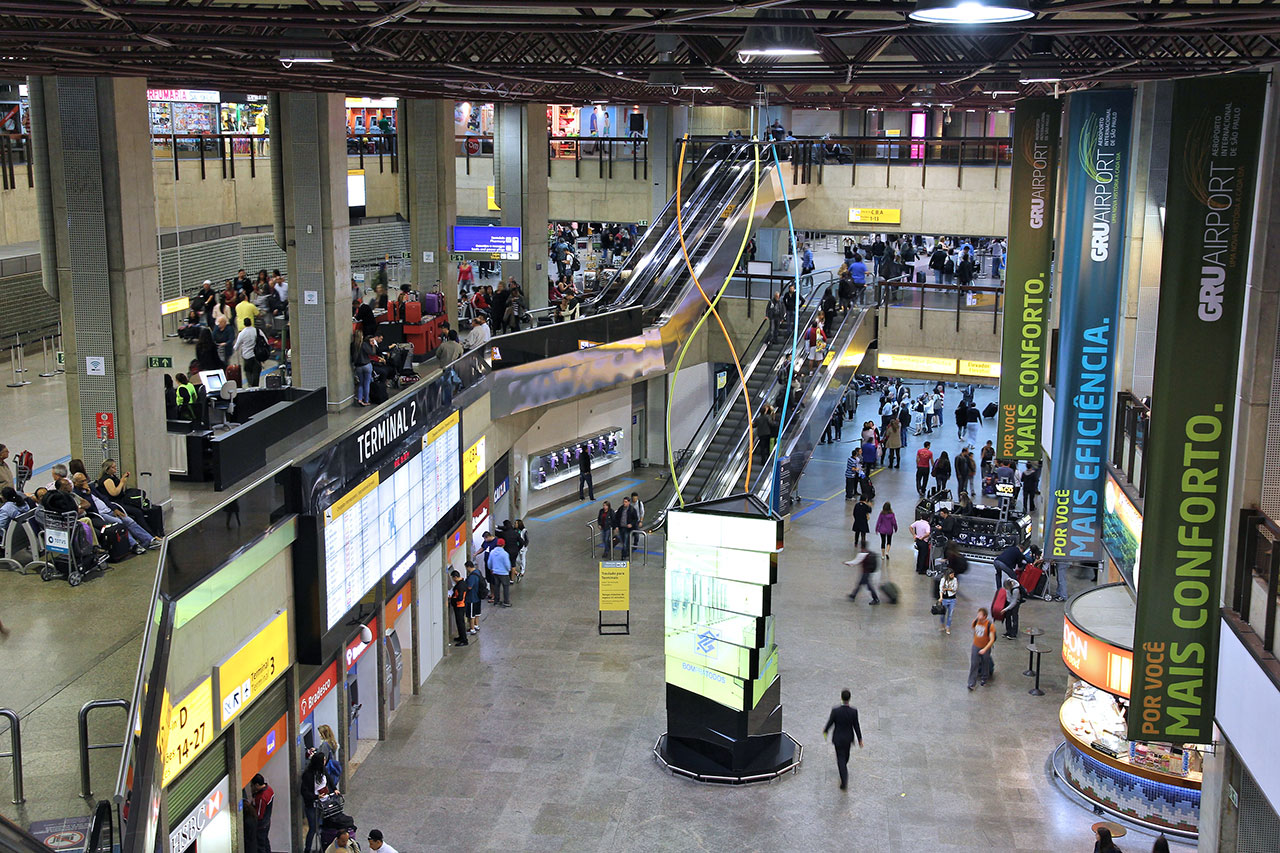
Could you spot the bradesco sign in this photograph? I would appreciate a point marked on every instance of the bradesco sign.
(1026, 314)
(1213, 163)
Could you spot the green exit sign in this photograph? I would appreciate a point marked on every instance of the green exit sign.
(456, 256)
(62, 359)
(160, 362)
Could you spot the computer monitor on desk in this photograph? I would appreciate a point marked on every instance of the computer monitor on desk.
(213, 381)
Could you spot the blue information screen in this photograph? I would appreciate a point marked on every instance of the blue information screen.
(502, 243)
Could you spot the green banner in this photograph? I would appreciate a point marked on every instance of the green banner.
(1026, 291)
(1213, 161)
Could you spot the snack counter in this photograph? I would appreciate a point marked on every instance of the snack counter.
(1154, 783)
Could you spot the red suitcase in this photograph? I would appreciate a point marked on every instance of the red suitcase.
(1033, 580)
(413, 312)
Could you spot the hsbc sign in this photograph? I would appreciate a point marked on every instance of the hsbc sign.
(201, 816)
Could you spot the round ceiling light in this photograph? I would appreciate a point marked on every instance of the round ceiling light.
(970, 11)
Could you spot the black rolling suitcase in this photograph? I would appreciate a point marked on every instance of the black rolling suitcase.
(888, 588)
(114, 539)
(989, 411)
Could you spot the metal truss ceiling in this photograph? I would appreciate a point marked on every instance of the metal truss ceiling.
(546, 50)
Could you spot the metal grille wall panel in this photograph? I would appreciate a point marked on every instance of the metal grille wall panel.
(81, 151)
(1258, 830)
(1271, 459)
(306, 209)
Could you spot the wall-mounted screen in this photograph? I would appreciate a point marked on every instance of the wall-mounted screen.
(491, 241)
(371, 527)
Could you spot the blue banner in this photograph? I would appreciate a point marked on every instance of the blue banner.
(1095, 214)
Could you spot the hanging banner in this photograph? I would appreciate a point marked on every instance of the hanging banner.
(1026, 290)
(1213, 161)
(1095, 213)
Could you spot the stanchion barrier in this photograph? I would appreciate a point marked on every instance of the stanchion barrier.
(58, 348)
(46, 343)
(15, 362)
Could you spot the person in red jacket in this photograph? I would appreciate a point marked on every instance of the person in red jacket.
(263, 801)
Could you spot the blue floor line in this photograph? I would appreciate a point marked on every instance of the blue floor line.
(572, 509)
(810, 508)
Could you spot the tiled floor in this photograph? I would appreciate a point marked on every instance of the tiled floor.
(540, 736)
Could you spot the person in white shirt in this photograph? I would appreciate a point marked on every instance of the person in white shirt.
(479, 334)
(376, 842)
(282, 289)
(920, 532)
(947, 590)
(245, 342)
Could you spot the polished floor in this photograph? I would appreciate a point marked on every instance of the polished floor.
(539, 736)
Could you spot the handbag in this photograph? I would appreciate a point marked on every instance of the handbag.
(329, 804)
(937, 609)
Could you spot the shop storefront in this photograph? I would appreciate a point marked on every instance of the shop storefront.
(318, 706)
(565, 121)
(264, 743)
(397, 616)
(183, 112)
(1157, 784)
(476, 123)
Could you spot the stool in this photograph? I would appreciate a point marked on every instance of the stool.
(1032, 633)
(1117, 831)
(1034, 653)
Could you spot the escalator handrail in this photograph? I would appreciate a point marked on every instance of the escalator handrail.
(642, 255)
(700, 224)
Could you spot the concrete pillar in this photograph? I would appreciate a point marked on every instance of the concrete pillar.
(429, 193)
(520, 171)
(1137, 343)
(104, 249)
(667, 125)
(313, 139)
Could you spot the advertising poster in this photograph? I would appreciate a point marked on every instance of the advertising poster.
(1026, 291)
(1092, 259)
(1213, 161)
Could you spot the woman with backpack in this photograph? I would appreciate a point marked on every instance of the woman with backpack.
(942, 471)
(332, 753)
(886, 526)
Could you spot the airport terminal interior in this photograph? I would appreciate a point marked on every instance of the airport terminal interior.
(832, 358)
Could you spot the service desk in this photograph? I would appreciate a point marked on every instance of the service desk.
(1155, 783)
(263, 417)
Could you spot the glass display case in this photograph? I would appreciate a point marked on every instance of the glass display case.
(560, 463)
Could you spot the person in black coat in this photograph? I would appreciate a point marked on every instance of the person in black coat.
(844, 720)
(584, 472)
(313, 780)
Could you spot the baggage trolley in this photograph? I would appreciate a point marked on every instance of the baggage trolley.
(64, 556)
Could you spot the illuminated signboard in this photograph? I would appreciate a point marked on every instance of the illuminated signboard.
(990, 369)
(319, 689)
(1099, 663)
(174, 306)
(1122, 530)
(216, 802)
(191, 729)
(488, 241)
(473, 464)
(184, 96)
(719, 587)
(371, 528)
(254, 667)
(875, 215)
(915, 363)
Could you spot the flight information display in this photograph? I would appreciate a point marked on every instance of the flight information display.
(372, 527)
(490, 241)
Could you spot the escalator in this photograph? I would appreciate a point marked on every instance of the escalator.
(644, 315)
(713, 464)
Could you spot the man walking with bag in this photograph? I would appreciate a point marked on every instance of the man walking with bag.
(844, 719)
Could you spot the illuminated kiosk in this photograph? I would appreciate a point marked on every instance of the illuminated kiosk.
(1154, 784)
(724, 696)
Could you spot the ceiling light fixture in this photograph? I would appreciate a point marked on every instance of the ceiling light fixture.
(666, 77)
(694, 87)
(970, 11)
(773, 33)
(290, 55)
(1044, 79)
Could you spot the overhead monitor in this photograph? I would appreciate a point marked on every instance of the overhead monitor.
(487, 242)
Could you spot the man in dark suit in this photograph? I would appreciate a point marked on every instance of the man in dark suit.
(844, 719)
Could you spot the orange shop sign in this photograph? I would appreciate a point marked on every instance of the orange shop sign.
(1099, 663)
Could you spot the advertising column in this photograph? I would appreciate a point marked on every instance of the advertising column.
(1097, 191)
(1026, 292)
(1213, 161)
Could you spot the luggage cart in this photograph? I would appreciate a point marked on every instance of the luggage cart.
(62, 557)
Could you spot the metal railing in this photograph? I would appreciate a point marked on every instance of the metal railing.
(15, 159)
(809, 156)
(605, 150)
(1257, 564)
(15, 752)
(1129, 439)
(959, 298)
(85, 746)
